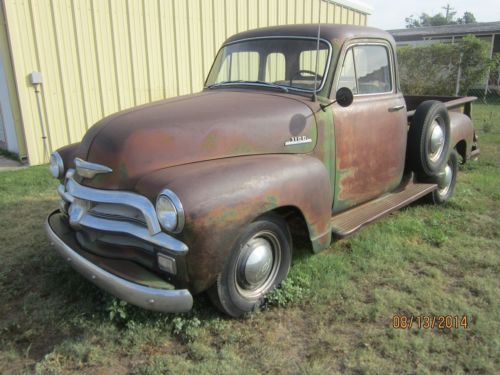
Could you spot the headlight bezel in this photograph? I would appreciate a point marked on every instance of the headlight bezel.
(56, 165)
(176, 204)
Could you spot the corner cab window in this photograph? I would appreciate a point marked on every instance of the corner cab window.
(286, 62)
(348, 74)
(366, 70)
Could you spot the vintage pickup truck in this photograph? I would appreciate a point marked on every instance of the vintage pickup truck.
(295, 130)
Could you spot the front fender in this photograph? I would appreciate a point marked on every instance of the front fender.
(220, 197)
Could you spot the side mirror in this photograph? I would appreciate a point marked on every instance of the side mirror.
(344, 97)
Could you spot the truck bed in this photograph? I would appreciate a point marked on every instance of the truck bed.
(453, 103)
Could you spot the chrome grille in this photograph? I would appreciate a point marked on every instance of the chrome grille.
(117, 212)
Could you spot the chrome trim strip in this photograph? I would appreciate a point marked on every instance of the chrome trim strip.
(160, 239)
(64, 196)
(164, 300)
(88, 170)
(117, 197)
(294, 142)
(327, 67)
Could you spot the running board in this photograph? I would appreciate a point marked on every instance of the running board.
(351, 220)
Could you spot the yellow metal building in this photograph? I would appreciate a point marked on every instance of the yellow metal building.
(97, 57)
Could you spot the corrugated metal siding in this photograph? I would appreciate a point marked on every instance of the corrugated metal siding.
(101, 56)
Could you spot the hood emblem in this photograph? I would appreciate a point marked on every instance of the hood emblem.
(89, 170)
(298, 141)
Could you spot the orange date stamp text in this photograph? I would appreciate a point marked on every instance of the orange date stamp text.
(430, 321)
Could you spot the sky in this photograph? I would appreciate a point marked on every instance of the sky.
(391, 14)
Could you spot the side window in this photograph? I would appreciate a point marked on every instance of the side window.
(275, 67)
(348, 73)
(372, 69)
(241, 65)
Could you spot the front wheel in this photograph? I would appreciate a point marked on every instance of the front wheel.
(258, 263)
(446, 181)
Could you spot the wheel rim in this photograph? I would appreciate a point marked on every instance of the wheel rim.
(445, 181)
(258, 265)
(436, 140)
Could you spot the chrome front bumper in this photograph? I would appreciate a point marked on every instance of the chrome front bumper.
(147, 297)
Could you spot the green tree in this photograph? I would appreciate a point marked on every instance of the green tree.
(429, 69)
(439, 19)
(475, 62)
(468, 17)
(495, 69)
(434, 69)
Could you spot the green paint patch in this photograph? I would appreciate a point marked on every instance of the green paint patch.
(210, 142)
(123, 171)
(242, 148)
(271, 201)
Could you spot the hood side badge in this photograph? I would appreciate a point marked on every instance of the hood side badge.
(86, 169)
(298, 141)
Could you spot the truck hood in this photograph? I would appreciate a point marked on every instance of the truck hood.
(209, 125)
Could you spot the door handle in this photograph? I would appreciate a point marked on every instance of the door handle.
(396, 108)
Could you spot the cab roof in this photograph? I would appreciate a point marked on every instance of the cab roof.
(336, 34)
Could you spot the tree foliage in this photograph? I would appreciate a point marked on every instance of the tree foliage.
(434, 69)
(468, 17)
(439, 19)
(495, 70)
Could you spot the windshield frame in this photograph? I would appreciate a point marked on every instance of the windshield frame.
(290, 88)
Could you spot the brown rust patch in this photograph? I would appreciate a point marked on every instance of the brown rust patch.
(233, 192)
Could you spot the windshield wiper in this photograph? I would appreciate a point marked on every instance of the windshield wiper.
(225, 83)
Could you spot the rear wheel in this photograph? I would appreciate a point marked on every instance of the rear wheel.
(446, 181)
(258, 263)
(429, 139)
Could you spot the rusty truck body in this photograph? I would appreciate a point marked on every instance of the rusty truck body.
(199, 193)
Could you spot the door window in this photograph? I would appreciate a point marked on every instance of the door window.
(366, 68)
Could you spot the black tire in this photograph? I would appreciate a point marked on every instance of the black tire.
(446, 187)
(428, 158)
(233, 293)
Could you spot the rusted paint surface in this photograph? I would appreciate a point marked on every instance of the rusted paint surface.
(221, 197)
(453, 103)
(461, 130)
(371, 143)
(213, 125)
(68, 154)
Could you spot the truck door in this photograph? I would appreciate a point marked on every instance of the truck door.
(370, 134)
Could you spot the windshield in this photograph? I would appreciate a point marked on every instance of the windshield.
(285, 63)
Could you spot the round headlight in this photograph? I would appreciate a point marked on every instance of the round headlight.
(56, 165)
(169, 211)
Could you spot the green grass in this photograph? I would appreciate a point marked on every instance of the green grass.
(333, 315)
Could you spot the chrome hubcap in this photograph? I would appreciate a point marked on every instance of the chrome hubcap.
(445, 181)
(259, 262)
(436, 141)
(258, 265)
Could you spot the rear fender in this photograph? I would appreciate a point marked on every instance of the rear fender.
(220, 197)
(462, 134)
